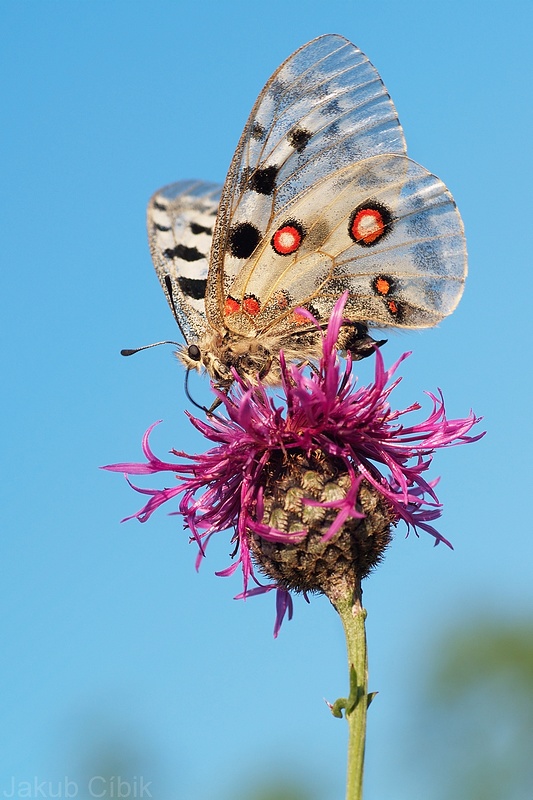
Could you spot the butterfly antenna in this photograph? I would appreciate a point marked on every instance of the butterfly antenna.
(128, 352)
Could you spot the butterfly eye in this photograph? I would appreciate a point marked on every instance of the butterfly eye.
(193, 351)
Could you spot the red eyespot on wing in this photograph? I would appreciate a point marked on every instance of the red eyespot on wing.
(393, 307)
(282, 299)
(251, 305)
(383, 285)
(287, 239)
(369, 223)
(368, 226)
(299, 319)
(231, 306)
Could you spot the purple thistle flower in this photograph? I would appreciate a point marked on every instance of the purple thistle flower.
(346, 440)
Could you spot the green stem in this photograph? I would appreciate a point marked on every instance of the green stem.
(353, 616)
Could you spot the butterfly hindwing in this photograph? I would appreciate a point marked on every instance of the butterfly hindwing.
(384, 229)
(181, 219)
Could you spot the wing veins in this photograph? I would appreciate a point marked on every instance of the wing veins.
(340, 72)
(275, 74)
(318, 155)
(436, 238)
(316, 107)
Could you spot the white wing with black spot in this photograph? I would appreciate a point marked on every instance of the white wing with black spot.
(324, 108)
(181, 219)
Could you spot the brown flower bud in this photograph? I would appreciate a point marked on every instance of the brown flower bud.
(335, 566)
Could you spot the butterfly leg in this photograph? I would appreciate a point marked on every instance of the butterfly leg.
(214, 405)
(265, 369)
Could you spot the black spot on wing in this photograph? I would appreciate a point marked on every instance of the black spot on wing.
(243, 239)
(331, 109)
(263, 181)
(298, 138)
(257, 132)
(313, 310)
(192, 287)
(159, 206)
(161, 227)
(184, 252)
(197, 229)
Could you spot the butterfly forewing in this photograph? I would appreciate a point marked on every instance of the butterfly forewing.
(324, 108)
(181, 218)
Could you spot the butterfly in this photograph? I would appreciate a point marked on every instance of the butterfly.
(320, 199)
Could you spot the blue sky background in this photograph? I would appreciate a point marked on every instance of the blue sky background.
(111, 643)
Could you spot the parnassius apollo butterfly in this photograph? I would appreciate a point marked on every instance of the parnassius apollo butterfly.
(320, 199)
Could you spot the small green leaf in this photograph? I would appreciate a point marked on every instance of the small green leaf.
(348, 703)
(370, 696)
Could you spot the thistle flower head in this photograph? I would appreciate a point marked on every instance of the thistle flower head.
(310, 482)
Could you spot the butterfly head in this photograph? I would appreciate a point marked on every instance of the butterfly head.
(193, 356)
(221, 356)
